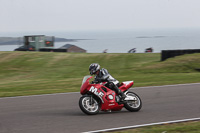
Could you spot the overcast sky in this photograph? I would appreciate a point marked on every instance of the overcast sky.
(66, 15)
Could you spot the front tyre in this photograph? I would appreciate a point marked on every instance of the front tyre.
(133, 105)
(89, 105)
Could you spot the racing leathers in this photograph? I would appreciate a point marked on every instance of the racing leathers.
(104, 76)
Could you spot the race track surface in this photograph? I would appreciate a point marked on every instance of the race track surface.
(60, 113)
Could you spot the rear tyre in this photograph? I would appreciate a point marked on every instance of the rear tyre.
(133, 105)
(89, 105)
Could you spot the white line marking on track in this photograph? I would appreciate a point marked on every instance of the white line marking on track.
(143, 125)
(79, 92)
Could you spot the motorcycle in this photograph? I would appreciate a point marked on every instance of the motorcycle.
(96, 97)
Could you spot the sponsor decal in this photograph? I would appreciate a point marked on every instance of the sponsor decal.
(95, 91)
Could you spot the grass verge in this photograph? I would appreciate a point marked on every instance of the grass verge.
(186, 127)
(31, 73)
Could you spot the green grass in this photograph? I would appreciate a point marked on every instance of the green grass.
(30, 73)
(187, 127)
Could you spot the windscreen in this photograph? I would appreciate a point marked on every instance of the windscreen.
(85, 78)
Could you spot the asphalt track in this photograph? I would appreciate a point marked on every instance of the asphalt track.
(60, 113)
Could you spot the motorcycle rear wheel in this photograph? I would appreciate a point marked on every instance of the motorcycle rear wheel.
(89, 105)
(133, 105)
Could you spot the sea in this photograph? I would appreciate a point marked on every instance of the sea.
(121, 41)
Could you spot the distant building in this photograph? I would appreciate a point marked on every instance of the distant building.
(73, 49)
(36, 42)
(46, 44)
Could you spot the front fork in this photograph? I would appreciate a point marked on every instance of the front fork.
(91, 100)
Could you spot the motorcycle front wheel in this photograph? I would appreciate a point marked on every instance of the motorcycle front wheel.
(89, 105)
(133, 105)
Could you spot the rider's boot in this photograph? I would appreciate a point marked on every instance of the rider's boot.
(119, 92)
(123, 96)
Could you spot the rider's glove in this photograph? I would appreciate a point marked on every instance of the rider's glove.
(98, 80)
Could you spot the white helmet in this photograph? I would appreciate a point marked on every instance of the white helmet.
(93, 68)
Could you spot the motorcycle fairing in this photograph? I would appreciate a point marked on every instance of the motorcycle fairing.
(126, 85)
(85, 84)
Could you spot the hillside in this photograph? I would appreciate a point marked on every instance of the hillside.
(29, 73)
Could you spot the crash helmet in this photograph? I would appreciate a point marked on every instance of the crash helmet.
(93, 68)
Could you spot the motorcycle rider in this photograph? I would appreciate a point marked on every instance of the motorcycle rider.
(102, 75)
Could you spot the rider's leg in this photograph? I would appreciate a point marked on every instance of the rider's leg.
(117, 90)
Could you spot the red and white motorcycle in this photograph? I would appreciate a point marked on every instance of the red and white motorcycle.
(98, 97)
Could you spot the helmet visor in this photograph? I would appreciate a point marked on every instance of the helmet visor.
(92, 72)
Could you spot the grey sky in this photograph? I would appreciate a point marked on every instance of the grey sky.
(65, 15)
